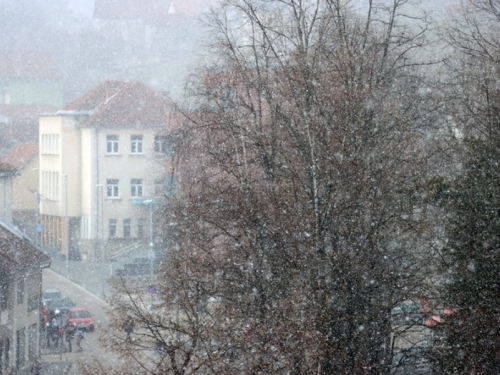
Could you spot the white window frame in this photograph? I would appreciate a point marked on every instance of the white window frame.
(112, 146)
(136, 144)
(112, 188)
(136, 187)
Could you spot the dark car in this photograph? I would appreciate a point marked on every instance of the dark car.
(50, 294)
(62, 305)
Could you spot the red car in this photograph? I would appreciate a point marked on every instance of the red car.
(80, 317)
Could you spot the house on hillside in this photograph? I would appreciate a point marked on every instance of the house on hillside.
(23, 161)
(21, 265)
(103, 162)
(30, 83)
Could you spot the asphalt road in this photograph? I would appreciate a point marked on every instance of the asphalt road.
(92, 350)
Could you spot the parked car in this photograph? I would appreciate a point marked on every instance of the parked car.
(50, 294)
(80, 317)
(62, 305)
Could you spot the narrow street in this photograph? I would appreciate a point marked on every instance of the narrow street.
(92, 350)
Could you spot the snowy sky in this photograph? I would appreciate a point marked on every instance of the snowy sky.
(83, 7)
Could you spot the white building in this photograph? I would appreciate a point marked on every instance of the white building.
(102, 162)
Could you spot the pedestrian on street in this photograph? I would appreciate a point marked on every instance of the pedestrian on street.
(80, 335)
(48, 333)
(70, 334)
(60, 336)
(36, 368)
(128, 326)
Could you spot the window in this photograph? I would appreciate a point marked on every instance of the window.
(7, 352)
(20, 341)
(32, 342)
(33, 303)
(140, 228)
(20, 292)
(85, 227)
(126, 227)
(1, 357)
(112, 144)
(50, 185)
(112, 227)
(136, 144)
(4, 297)
(136, 187)
(164, 144)
(50, 144)
(112, 188)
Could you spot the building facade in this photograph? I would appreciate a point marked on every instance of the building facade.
(21, 265)
(23, 159)
(102, 168)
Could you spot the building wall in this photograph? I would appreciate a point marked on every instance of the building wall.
(19, 321)
(89, 184)
(50, 162)
(82, 155)
(24, 201)
(59, 179)
(23, 185)
(6, 197)
(126, 166)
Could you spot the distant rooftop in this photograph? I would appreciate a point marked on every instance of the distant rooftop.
(28, 64)
(120, 104)
(20, 154)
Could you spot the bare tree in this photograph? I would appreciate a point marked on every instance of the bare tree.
(295, 225)
(471, 199)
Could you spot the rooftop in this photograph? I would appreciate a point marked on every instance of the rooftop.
(20, 154)
(127, 104)
(17, 251)
(28, 64)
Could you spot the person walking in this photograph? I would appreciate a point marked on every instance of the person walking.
(36, 368)
(80, 335)
(70, 335)
(128, 326)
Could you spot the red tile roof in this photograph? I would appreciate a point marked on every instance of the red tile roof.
(28, 64)
(19, 155)
(122, 104)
